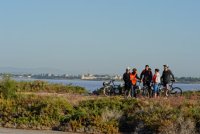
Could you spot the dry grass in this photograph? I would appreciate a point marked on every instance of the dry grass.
(162, 115)
(109, 115)
(73, 99)
(182, 126)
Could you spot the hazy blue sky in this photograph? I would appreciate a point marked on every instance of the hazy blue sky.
(101, 36)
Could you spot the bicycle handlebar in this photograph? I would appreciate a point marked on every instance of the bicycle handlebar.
(173, 80)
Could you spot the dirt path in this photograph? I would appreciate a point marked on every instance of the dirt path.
(21, 131)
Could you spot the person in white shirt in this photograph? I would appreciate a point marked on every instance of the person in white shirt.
(156, 81)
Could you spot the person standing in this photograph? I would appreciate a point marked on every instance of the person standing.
(156, 82)
(146, 77)
(134, 78)
(166, 78)
(127, 82)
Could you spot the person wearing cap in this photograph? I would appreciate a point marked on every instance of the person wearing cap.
(146, 77)
(166, 78)
(127, 81)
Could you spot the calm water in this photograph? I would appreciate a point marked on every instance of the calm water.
(93, 85)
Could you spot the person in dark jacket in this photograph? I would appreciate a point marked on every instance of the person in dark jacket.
(146, 77)
(166, 78)
(127, 82)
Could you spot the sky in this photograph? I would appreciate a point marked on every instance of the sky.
(101, 36)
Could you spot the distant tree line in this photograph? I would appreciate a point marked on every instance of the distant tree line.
(188, 80)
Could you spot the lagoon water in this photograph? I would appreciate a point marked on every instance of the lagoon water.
(93, 85)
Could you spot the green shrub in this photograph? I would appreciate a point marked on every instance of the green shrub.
(8, 87)
(33, 111)
(102, 115)
(41, 86)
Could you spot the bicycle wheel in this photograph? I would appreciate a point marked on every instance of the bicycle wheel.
(107, 90)
(122, 91)
(145, 91)
(161, 90)
(176, 91)
(117, 91)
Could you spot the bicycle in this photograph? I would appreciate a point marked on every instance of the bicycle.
(110, 88)
(146, 92)
(172, 91)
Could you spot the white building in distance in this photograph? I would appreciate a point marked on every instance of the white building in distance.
(88, 77)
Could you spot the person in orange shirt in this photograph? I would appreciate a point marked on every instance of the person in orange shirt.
(134, 78)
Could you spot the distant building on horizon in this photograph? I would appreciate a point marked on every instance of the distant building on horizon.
(117, 77)
(88, 77)
(100, 77)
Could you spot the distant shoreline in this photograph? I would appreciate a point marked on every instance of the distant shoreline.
(179, 82)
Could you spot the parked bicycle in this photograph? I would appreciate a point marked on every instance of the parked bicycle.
(110, 88)
(173, 91)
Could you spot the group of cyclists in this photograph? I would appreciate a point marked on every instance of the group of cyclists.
(148, 79)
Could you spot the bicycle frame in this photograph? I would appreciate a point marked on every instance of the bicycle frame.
(170, 86)
(172, 90)
(113, 88)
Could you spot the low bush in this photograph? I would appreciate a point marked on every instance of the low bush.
(8, 87)
(33, 112)
(100, 114)
(41, 86)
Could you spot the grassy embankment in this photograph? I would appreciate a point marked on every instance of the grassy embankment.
(22, 105)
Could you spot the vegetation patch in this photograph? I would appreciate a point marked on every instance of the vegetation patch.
(96, 115)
